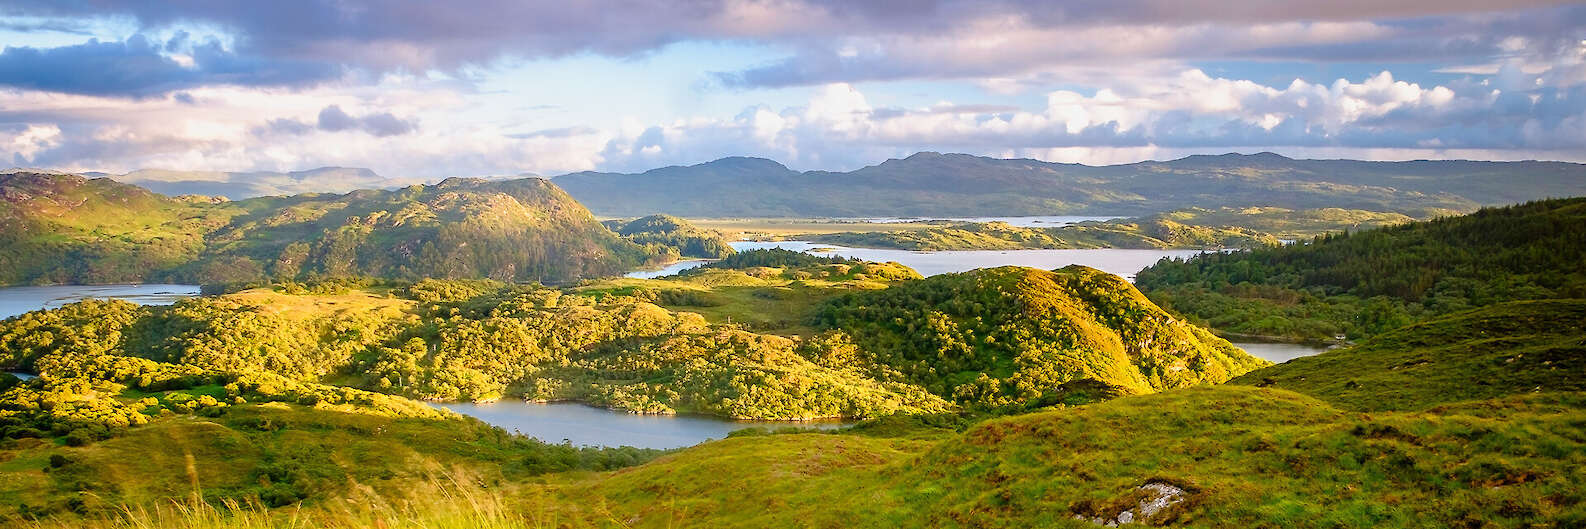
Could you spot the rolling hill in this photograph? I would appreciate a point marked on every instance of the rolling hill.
(63, 228)
(1021, 336)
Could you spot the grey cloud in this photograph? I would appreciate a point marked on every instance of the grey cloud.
(131, 67)
(385, 124)
(1433, 37)
(138, 67)
(333, 119)
(301, 42)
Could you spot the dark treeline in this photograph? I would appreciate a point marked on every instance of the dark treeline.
(1368, 282)
(777, 258)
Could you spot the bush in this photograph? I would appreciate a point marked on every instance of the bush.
(79, 437)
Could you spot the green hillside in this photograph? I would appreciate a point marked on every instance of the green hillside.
(1011, 335)
(1505, 349)
(1228, 456)
(518, 230)
(1366, 283)
(58, 228)
(1233, 457)
(277, 455)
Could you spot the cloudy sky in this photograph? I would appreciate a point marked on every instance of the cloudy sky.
(422, 89)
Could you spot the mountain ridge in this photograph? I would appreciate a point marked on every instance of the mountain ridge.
(925, 174)
(930, 183)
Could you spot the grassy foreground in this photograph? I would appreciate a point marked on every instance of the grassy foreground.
(1247, 457)
(1294, 455)
(276, 455)
(1243, 457)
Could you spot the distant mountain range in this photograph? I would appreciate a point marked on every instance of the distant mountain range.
(933, 184)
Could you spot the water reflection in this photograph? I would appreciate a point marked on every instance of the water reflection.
(1278, 353)
(18, 300)
(1037, 221)
(1111, 260)
(668, 270)
(590, 426)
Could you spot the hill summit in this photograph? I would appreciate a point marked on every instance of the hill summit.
(1014, 335)
(64, 228)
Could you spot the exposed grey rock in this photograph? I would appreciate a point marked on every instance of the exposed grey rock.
(1162, 496)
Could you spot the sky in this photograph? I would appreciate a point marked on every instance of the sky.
(421, 90)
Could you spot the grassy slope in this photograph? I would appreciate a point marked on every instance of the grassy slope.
(1249, 457)
(278, 452)
(1505, 349)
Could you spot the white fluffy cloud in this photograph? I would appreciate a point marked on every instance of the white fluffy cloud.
(837, 128)
(26, 143)
(1188, 112)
